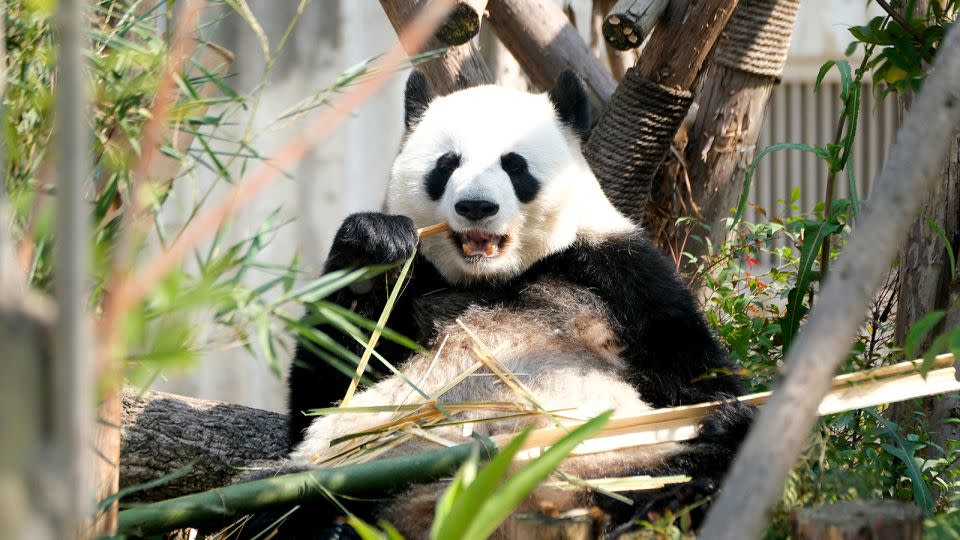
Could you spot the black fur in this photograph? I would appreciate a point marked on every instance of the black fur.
(525, 186)
(570, 99)
(673, 357)
(363, 239)
(416, 98)
(437, 178)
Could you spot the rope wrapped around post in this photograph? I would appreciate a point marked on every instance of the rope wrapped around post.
(757, 38)
(640, 124)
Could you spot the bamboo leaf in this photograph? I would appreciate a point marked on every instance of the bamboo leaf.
(904, 452)
(496, 509)
(919, 330)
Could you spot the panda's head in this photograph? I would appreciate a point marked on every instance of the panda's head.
(504, 169)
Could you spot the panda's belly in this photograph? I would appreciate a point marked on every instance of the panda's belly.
(555, 339)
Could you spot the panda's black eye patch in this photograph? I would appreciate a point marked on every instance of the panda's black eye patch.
(524, 184)
(437, 178)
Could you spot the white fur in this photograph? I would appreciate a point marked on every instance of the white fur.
(482, 124)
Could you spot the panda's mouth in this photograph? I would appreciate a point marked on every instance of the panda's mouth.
(477, 245)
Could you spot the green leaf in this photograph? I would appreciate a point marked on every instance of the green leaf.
(499, 506)
(904, 452)
(748, 178)
(946, 243)
(813, 235)
(365, 530)
(918, 331)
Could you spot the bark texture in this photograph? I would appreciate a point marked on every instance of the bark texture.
(634, 133)
(755, 480)
(541, 38)
(161, 433)
(859, 520)
(458, 68)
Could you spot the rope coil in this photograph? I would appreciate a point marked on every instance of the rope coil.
(757, 37)
(639, 125)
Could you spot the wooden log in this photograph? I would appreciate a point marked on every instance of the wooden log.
(161, 433)
(541, 38)
(463, 23)
(755, 481)
(859, 520)
(577, 524)
(455, 69)
(629, 22)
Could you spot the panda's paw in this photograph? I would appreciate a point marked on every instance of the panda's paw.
(372, 238)
(728, 425)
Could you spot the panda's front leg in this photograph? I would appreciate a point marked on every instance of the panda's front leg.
(363, 239)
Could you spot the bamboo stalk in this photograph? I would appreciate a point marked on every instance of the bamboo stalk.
(364, 479)
(851, 391)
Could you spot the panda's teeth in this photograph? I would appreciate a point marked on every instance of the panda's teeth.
(490, 250)
(466, 249)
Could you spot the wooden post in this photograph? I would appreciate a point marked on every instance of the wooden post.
(72, 396)
(578, 524)
(756, 478)
(631, 21)
(463, 23)
(746, 64)
(634, 134)
(541, 38)
(458, 68)
(859, 520)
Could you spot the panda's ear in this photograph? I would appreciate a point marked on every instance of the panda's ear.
(416, 98)
(570, 99)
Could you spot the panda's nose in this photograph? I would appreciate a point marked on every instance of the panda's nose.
(476, 209)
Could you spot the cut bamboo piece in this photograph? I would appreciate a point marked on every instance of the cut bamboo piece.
(851, 391)
(431, 230)
(629, 22)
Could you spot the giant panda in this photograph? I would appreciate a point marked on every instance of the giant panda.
(573, 297)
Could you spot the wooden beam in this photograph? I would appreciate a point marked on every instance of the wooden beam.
(541, 38)
(456, 68)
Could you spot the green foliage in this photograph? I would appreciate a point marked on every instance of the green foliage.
(210, 301)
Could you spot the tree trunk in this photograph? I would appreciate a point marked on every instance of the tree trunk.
(859, 520)
(927, 284)
(458, 68)
(737, 85)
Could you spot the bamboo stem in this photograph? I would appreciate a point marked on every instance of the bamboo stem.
(363, 479)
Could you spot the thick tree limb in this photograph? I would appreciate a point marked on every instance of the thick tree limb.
(161, 433)
(757, 475)
(458, 68)
(541, 38)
